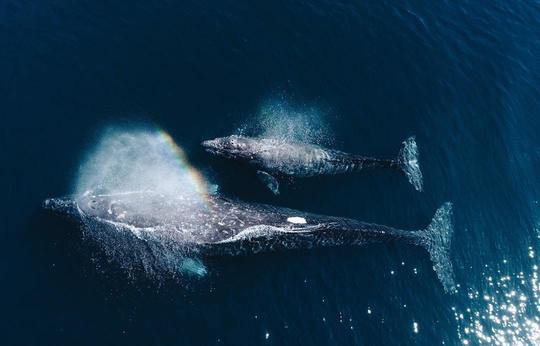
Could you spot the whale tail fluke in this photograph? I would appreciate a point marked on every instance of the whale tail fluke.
(436, 238)
(408, 162)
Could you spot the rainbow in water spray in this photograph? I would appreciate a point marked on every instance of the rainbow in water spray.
(136, 160)
(198, 181)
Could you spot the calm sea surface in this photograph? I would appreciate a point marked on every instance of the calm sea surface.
(464, 77)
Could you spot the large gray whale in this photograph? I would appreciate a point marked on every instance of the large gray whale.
(148, 226)
(277, 157)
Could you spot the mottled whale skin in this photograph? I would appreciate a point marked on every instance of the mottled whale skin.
(224, 227)
(272, 156)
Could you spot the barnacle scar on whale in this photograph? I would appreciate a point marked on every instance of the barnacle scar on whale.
(169, 226)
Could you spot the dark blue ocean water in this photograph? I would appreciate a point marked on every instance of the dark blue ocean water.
(463, 77)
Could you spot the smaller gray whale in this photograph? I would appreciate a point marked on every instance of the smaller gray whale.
(276, 157)
(154, 230)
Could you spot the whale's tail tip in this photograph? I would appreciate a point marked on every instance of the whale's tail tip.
(437, 238)
(408, 162)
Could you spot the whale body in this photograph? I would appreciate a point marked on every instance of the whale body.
(277, 157)
(148, 225)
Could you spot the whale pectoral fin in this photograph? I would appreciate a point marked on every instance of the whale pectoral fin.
(213, 189)
(193, 267)
(270, 181)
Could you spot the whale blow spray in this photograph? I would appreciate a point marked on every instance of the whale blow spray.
(128, 163)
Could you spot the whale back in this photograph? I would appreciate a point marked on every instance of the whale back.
(300, 159)
(216, 220)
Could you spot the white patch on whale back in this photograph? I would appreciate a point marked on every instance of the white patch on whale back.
(296, 220)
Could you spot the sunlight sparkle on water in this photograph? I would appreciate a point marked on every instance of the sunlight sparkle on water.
(508, 314)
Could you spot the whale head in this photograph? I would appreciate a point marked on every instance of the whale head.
(73, 205)
(61, 205)
(233, 147)
(91, 204)
(102, 206)
(138, 208)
